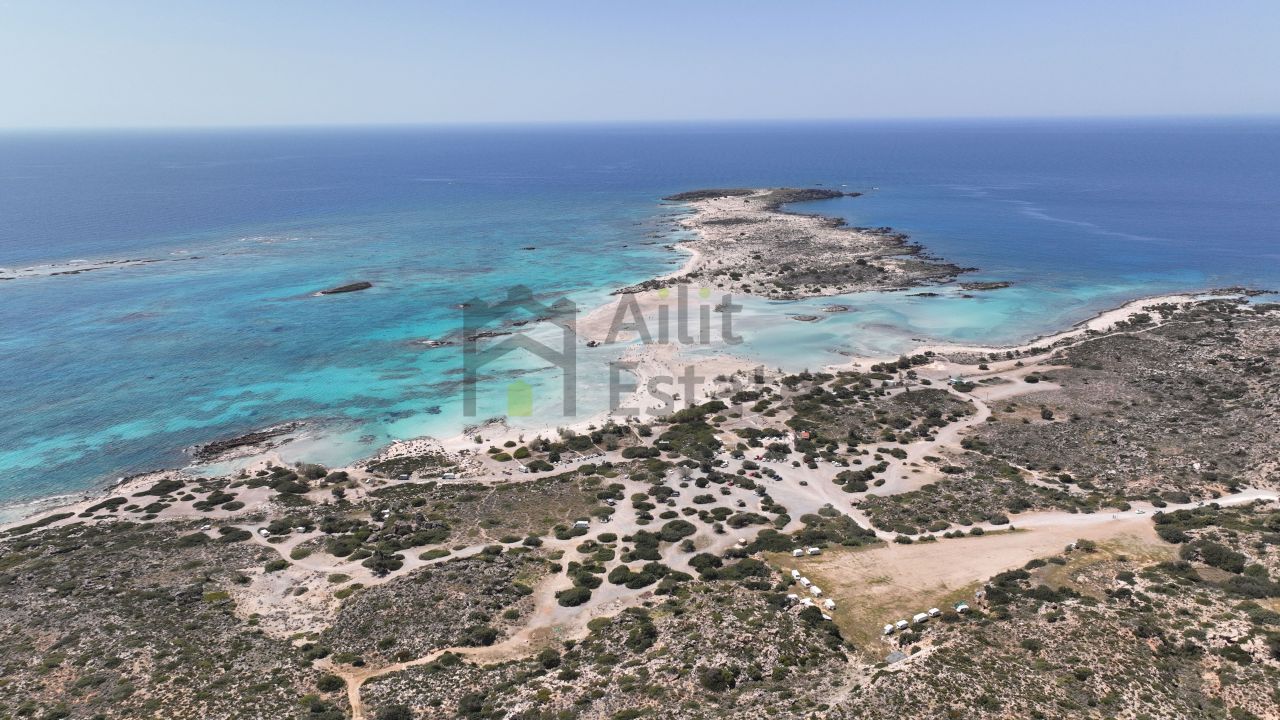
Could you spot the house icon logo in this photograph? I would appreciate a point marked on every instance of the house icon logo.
(486, 338)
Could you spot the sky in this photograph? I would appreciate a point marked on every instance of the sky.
(181, 63)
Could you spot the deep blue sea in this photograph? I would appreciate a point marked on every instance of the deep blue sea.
(113, 371)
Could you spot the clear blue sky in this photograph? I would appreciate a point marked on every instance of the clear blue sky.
(269, 62)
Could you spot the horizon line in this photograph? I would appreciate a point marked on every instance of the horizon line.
(480, 124)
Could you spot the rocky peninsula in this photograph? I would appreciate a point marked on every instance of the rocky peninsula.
(748, 242)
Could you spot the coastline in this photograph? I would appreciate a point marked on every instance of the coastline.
(659, 357)
(652, 360)
(446, 507)
(1099, 322)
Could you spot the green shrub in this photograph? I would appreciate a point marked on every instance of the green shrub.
(394, 712)
(549, 658)
(329, 682)
(573, 596)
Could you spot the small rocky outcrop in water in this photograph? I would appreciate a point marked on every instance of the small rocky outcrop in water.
(984, 285)
(259, 439)
(352, 287)
(431, 343)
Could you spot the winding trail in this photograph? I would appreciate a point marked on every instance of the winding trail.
(548, 621)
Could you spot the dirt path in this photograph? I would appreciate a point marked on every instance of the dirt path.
(548, 621)
(538, 632)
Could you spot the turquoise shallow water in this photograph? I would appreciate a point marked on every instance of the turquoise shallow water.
(116, 371)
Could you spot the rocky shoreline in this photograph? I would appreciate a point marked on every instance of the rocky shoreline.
(252, 443)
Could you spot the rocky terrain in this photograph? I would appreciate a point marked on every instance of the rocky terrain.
(1188, 407)
(747, 242)
(1104, 505)
(127, 620)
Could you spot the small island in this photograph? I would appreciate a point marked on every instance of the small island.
(349, 288)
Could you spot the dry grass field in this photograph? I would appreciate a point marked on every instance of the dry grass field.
(881, 584)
